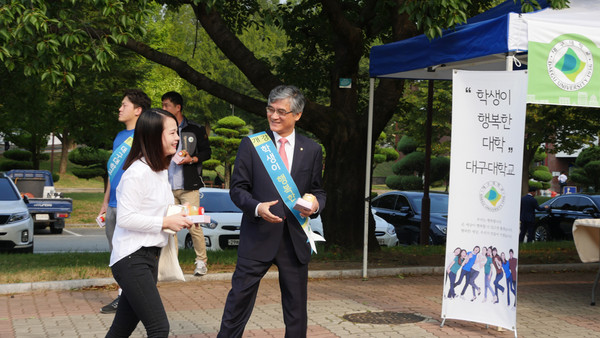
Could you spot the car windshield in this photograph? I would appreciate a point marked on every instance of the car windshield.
(439, 203)
(7, 192)
(217, 202)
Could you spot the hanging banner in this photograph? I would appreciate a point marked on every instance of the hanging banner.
(561, 64)
(488, 126)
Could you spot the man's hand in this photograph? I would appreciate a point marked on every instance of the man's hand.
(265, 213)
(313, 209)
(187, 159)
(103, 209)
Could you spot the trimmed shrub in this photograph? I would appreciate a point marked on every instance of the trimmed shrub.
(88, 156)
(587, 155)
(88, 173)
(18, 155)
(390, 153)
(8, 164)
(55, 177)
(542, 175)
(535, 184)
(378, 158)
(412, 183)
(540, 155)
(211, 164)
(412, 162)
(407, 145)
(394, 182)
(43, 157)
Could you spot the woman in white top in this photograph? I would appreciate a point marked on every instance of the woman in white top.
(142, 199)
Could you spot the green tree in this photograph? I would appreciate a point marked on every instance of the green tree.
(229, 131)
(326, 40)
(539, 175)
(411, 120)
(93, 162)
(587, 172)
(24, 112)
(383, 153)
(566, 128)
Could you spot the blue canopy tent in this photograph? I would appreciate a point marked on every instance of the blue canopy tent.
(494, 40)
(483, 43)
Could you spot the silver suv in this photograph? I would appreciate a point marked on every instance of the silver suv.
(16, 225)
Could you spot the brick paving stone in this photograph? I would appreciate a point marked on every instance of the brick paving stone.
(550, 305)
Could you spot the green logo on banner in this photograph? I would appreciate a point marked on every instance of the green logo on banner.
(570, 65)
(562, 72)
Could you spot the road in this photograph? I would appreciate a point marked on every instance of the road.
(73, 239)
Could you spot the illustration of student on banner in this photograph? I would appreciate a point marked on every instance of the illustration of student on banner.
(498, 271)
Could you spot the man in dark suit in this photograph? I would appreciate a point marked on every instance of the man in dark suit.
(528, 207)
(270, 233)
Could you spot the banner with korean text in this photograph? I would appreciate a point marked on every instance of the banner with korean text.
(482, 246)
(561, 63)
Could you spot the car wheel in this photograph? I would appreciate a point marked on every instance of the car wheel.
(189, 244)
(541, 233)
(55, 230)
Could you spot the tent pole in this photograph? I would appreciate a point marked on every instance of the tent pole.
(510, 61)
(426, 202)
(368, 177)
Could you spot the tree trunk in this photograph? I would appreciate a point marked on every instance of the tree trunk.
(226, 174)
(344, 182)
(528, 154)
(67, 142)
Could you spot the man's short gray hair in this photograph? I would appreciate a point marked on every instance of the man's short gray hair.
(293, 93)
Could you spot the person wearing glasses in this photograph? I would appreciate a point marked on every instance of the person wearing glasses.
(270, 233)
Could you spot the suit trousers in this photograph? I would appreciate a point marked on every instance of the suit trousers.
(529, 229)
(293, 280)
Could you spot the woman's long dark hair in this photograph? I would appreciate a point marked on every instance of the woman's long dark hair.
(147, 140)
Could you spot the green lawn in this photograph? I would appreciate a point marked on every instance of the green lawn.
(21, 268)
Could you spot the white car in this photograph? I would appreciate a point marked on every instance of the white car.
(384, 231)
(16, 224)
(224, 230)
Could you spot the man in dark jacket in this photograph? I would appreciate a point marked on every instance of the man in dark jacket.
(528, 207)
(185, 176)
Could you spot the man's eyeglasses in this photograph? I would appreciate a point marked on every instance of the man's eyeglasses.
(280, 112)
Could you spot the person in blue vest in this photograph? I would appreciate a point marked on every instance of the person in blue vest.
(270, 231)
(133, 103)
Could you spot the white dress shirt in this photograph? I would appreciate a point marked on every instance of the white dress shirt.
(142, 200)
(289, 146)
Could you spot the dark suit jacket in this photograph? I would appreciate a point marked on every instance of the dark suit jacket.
(251, 185)
(528, 207)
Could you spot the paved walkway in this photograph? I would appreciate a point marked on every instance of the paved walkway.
(551, 304)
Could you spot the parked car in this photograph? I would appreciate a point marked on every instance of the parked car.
(402, 209)
(47, 207)
(16, 224)
(384, 231)
(225, 217)
(557, 222)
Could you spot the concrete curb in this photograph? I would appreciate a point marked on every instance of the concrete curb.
(322, 274)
